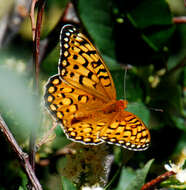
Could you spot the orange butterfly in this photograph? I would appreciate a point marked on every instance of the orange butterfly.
(82, 97)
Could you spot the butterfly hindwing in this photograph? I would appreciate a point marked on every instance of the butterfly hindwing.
(68, 105)
(127, 130)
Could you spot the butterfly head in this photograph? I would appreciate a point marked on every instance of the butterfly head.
(121, 104)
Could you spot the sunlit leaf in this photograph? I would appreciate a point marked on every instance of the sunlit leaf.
(67, 184)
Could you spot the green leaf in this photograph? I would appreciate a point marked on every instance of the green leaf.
(180, 146)
(140, 110)
(96, 17)
(180, 122)
(67, 184)
(21, 188)
(133, 180)
(145, 13)
(156, 28)
(127, 176)
(139, 179)
(132, 85)
(59, 131)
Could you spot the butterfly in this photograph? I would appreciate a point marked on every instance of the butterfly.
(82, 98)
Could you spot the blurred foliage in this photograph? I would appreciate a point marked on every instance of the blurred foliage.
(139, 34)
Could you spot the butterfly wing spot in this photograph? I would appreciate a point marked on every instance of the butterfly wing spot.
(87, 140)
(127, 144)
(53, 107)
(70, 129)
(132, 138)
(83, 99)
(83, 48)
(101, 124)
(64, 63)
(73, 134)
(59, 115)
(66, 39)
(67, 33)
(67, 90)
(70, 30)
(114, 125)
(134, 131)
(79, 59)
(72, 108)
(51, 89)
(94, 56)
(127, 134)
(50, 98)
(63, 72)
(87, 57)
(89, 47)
(113, 140)
(66, 53)
(66, 46)
(55, 81)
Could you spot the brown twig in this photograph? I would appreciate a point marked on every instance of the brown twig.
(36, 43)
(32, 18)
(41, 5)
(23, 157)
(179, 20)
(182, 64)
(150, 185)
(67, 150)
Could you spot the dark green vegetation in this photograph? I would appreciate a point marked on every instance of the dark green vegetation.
(139, 34)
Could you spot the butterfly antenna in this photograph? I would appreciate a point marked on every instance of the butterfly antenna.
(156, 109)
(125, 75)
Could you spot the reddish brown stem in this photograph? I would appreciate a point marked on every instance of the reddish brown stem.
(150, 185)
(23, 157)
(32, 18)
(179, 20)
(41, 5)
(36, 43)
(180, 65)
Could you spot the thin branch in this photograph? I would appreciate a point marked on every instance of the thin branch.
(179, 20)
(67, 150)
(41, 5)
(32, 18)
(178, 66)
(46, 139)
(157, 181)
(23, 157)
(36, 43)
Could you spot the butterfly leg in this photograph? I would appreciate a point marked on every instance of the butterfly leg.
(49, 136)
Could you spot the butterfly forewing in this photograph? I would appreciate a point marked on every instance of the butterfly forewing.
(81, 65)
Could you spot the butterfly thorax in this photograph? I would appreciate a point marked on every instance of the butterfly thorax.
(121, 105)
(114, 106)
